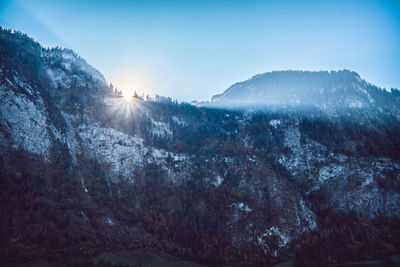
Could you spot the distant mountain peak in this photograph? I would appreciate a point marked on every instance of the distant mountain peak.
(328, 90)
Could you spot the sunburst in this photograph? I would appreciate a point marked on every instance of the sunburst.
(126, 107)
(128, 94)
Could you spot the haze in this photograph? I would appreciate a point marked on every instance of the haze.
(192, 50)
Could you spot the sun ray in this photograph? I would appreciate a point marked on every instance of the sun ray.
(126, 108)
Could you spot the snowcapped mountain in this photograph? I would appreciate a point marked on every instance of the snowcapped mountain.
(84, 172)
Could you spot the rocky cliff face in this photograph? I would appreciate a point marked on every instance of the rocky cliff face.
(84, 171)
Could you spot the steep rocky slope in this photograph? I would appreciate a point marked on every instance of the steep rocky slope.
(84, 171)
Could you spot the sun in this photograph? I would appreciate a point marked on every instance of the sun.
(127, 94)
(127, 97)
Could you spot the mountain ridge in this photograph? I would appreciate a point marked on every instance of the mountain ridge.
(336, 90)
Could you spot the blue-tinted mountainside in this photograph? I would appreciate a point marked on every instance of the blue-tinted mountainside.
(86, 175)
(334, 92)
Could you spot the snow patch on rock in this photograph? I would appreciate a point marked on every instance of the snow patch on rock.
(241, 206)
(161, 129)
(26, 122)
(275, 123)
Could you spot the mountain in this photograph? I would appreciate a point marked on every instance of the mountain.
(334, 92)
(87, 176)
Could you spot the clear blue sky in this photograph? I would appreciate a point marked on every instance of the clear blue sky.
(194, 49)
